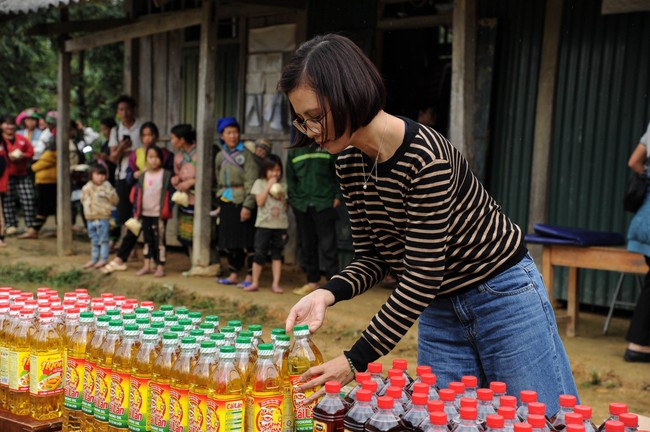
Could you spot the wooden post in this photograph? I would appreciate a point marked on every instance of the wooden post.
(63, 207)
(131, 63)
(463, 78)
(205, 127)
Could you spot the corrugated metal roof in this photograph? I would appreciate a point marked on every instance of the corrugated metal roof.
(24, 6)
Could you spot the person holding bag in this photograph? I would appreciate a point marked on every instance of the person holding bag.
(638, 240)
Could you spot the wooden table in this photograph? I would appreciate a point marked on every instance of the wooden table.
(616, 259)
(14, 423)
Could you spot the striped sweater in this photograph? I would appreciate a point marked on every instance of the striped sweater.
(427, 218)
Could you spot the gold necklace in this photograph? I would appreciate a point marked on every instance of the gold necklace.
(374, 166)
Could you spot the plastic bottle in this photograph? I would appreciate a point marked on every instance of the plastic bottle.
(281, 360)
(437, 422)
(66, 328)
(585, 411)
(93, 350)
(471, 382)
(75, 372)
(419, 371)
(303, 355)
(466, 403)
(402, 364)
(498, 389)
(46, 370)
(141, 373)
(275, 332)
(575, 428)
(214, 320)
(538, 422)
(509, 415)
(242, 356)
(509, 401)
(179, 403)
(448, 396)
(103, 381)
(225, 407)
(395, 393)
(200, 385)
(526, 397)
(392, 373)
(264, 398)
(375, 370)
(19, 363)
(360, 377)
(467, 420)
(458, 388)
(257, 334)
(421, 388)
(384, 420)
(182, 312)
(573, 418)
(615, 409)
(523, 427)
(230, 335)
(432, 406)
(361, 411)
(371, 386)
(630, 421)
(614, 426)
(196, 318)
(14, 310)
(416, 413)
(160, 383)
(330, 411)
(400, 382)
(567, 402)
(539, 408)
(484, 406)
(431, 380)
(236, 324)
(118, 413)
(494, 423)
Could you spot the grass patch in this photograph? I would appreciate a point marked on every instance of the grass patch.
(22, 275)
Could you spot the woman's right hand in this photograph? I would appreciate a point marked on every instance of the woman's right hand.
(310, 310)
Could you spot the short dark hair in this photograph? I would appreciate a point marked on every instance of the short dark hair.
(8, 118)
(268, 163)
(109, 122)
(158, 151)
(185, 131)
(152, 127)
(342, 76)
(99, 169)
(125, 99)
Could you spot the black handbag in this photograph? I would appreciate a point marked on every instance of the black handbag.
(635, 193)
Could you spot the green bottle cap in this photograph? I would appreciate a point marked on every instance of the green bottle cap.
(255, 327)
(170, 336)
(265, 348)
(177, 329)
(182, 311)
(208, 344)
(115, 324)
(301, 327)
(195, 315)
(247, 333)
(228, 329)
(158, 314)
(234, 323)
(129, 316)
(227, 349)
(188, 341)
(131, 327)
(278, 331)
(157, 325)
(166, 308)
(150, 331)
(243, 341)
(88, 315)
(217, 336)
(283, 338)
(104, 319)
(212, 318)
(142, 321)
(206, 326)
(113, 313)
(185, 322)
(141, 311)
(197, 333)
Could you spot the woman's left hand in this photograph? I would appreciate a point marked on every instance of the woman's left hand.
(337, 369)
(245, 214)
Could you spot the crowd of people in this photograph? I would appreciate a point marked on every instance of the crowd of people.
(125, 184)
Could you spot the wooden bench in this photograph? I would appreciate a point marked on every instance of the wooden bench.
(14, 423)
(616, 259)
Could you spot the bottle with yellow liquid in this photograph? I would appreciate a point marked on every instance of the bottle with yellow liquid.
(160, 383)
(252, 355)
(103, 378)
(179, 390)
(19, 367)
(118, 410)
(242, 356)
(226, 404)
(230, 335)
(303, 355)
(140, 397)
(10, 314)
(75, 372)
(257, 335)
(46, 370)
(281, 360)
(214, 320)
(264, 398)
(66, 328)
(199, 386)
(93, 351)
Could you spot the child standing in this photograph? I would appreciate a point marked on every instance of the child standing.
(97, 197)
(272, 221)
(151, 197)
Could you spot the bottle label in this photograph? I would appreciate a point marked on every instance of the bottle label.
(179, 407)
(320, 426)
(118, 410)
(287, 409)
(139, 405)
(102, 393)
(266, 413)
(159, 407)
(88, 399)
(19, 371)
(303, 413)
(4, 366)
(74, 383)
(225, 415)
(46, 376)
(198, 411)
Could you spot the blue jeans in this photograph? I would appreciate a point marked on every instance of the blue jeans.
(98, 231)
(503, 330)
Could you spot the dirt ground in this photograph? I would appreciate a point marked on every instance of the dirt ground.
(600, 372)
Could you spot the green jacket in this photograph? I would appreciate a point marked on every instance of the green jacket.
(311, 179)
(239, 179)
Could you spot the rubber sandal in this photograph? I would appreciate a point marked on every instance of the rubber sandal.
(225, 281)
(244, 284)
(113, 267)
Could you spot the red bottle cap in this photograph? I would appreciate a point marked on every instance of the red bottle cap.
(614, 426)
(573, 418)
(507, 412)
(435, 405)
(385, 402)
(70, 311)
(362, 376)
(109, 303)
(106, 295)
(469, 381)
(584, 410)
(398, 381)
(421, 388)
(575, 428)
(509, 401)
(421, 370)
(495, 421)
(394, 373)
(369, 385)
(6, 289)
(81, 291)
(333, 387)
(364, 395)
(400, 364)
(375, 368)
(629, 420)
(47, 314)
(468, 402)
(119, 298)
(429, 378)
(468, 413)
(567, 401)
(419, 398)
(484, 394)
(458, 387)
(498, 387)
(438, 418)
(131, 301)
(528, 396)
(146, 303)
(537, 408)
(523, 427)
(125, 307)
(617, 408)
(447, 395)
(394, 392)
(536, 421)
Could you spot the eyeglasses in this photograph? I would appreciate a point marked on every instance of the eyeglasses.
(312, 125)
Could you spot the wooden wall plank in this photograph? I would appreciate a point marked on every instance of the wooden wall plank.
(145, 85)
(175, 62)
(159, 72)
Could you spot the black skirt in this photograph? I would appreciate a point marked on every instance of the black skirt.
(233, 234)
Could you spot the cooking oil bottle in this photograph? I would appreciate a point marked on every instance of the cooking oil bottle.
(4, 355)
(118, 410)
(93, 351)
(199, 386)
(66, 328)
(242, 356)
(160, 383)
(281, 360)
(303, 355)
(179, 404)
(104, 367)
(226, 406)
(74, 382)
(46, 370)
(264, 398)
(140, 395)
(19, 366)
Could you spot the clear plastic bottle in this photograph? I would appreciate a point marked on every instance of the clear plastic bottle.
(360, 377)
(392, 373)
(104, 368)
(303, 355)
(264, 396)
(19, 363)
(630, 421)
(375, 369)
(384, 420)
(281, 360)
(330, 411)
(421, 388)
(400, 382)
(230, 334)
(179, 403)
(416, 413)
(498, 389)
(471, 382)
(538, 422)
(494, 423)
(466, 403)
(75, 372)
(141, 373)
(243, 356)
(371, 386)
(614, 426)
(93, 351)
(66, 328)
(615, 410)
(275, 332)
(118, 412)
(257, 334)
(161, 381)
(448, 396)
(458, 388)
(419, 371)
(484, 406)
(225, 407)
(437, 422)
(214, 320)
(432, 406)
(361, 411)
(467, 420)
(509, 415)
(196, 318)
(526, 397)
(539, 408)
(395, 393)
(573, 418)
(567, 402)
(46, 390)
(12, 315)
(236, 324)
(587, 421)
(431, 380)
(200, 386)
(402, 364)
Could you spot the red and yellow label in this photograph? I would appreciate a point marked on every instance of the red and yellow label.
(4, 366)
(159, 407)
(265, 413)
(179, 409)
(225, 415)
(74, 383)
(302, 413)
(19, 371)
(46, 374)
(118, 410)
(139, 405)
(102, 393)
(88, 397)
(198, 411)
